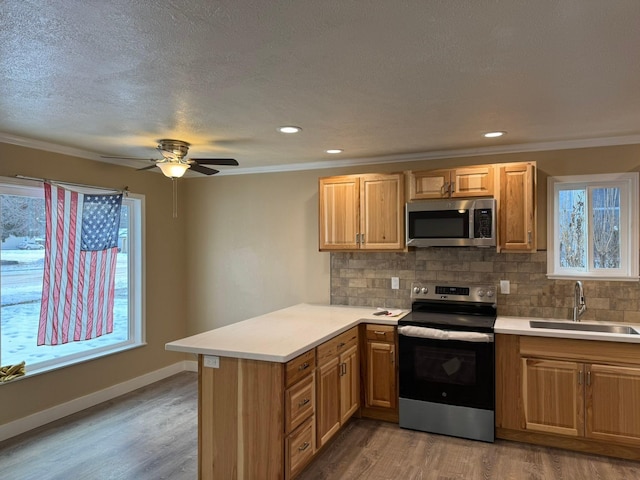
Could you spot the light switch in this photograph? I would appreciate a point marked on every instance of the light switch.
(505, 287)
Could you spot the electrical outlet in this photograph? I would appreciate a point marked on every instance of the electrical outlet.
(211, 361)
(395, 283)
(505, 287)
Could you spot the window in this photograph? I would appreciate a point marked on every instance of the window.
(22, 225)
(593, 227)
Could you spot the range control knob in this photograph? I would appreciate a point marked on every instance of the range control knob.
(481, 293)
(490, 293)
(416, 289)
(425, 290)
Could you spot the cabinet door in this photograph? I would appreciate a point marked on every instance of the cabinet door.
(328, 400)
(429, 184)
(381, 375)
(613, 404)
(517, 207)
(382, 212)
(472, 181)
(349, 383)
(339, 212)
(553, 396)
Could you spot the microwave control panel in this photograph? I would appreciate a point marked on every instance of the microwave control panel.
(482, 223)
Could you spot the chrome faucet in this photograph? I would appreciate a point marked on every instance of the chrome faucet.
(579, 306)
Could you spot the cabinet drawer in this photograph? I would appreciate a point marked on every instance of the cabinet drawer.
(384, 333)
(334, 347)
(300, 447)
(300, 367)
(300, 403)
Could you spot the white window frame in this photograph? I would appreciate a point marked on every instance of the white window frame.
(629, 216)
(135, 270)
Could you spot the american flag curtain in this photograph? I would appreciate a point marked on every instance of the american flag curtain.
(81, 245)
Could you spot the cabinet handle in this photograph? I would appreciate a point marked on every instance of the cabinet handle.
(589, 377)
(580, 375)
(444, 188)
(341, 344)
(529, 237)
(392, 352)
(361, 238)
(378, 332)
(304, 366)
(343, 369)
(303, 402)
(452, 188)
(304, 446)
(357, 239)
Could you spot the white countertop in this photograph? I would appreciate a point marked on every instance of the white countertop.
(520, 326)
(282, 335)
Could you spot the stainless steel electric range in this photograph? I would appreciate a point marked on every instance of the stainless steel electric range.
(447, 360)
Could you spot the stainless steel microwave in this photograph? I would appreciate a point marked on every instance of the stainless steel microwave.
(451, 223)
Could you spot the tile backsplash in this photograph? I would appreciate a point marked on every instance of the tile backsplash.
(364, 279)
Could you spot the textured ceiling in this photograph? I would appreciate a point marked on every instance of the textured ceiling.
(379, 79)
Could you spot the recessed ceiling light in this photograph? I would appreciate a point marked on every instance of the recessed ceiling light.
(494, 134)
(289, 129)
(334, 150)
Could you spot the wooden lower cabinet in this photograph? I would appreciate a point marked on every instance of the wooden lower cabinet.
(338, 384)
(613, 403)
(379, 372)
(259, 419)
(553, 397)
(300, 447)
(574, 394)
(328, 418)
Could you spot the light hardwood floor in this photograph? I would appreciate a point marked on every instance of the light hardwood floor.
(152, 434)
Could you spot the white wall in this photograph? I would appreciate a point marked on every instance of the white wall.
(252, 247)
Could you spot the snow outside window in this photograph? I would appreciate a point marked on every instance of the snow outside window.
(22, 226)
(593, 227)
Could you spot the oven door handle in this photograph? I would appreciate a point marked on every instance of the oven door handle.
(437, 334)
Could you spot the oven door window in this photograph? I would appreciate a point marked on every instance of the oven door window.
(451, 372)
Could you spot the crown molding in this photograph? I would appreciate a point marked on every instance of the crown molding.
(350, 162)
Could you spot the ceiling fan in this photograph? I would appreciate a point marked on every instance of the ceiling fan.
(173, 162)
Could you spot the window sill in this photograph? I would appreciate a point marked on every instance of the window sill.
(592, 278)
(75, 361)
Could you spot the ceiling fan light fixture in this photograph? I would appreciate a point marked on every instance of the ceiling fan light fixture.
(173, 169)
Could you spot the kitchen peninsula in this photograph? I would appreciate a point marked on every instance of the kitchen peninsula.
(263, 406)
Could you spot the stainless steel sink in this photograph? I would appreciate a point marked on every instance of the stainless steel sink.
(584, 327)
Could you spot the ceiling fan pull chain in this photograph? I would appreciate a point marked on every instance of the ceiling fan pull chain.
(175, 197)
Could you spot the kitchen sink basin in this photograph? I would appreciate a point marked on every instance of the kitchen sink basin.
(584, 327)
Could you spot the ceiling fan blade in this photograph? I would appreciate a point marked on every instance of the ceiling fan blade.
(148, 168)
(216, 161)
(128, 158)
(200, 169)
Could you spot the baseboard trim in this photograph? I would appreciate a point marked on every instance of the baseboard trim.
(43, 417)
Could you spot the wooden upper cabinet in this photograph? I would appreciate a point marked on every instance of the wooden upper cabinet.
(362, 212)
(475, 181)
(382, 212)
(339, 212)
(517, 207)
